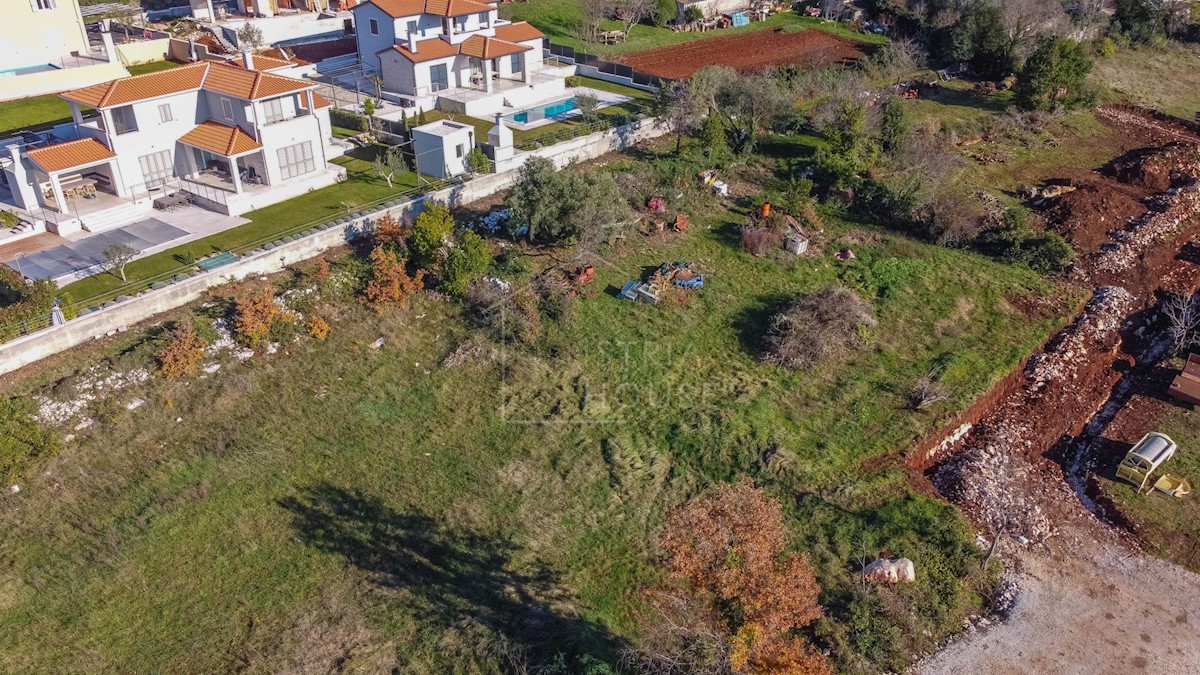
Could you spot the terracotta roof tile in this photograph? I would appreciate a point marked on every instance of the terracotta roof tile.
(399, 8)
(227, 79)
(249, 84)
(262, 62)
(320, 101)
(520, 31)
(220, 138)
(482, 47)
(138, 87)
(70, 154)
(427, 50)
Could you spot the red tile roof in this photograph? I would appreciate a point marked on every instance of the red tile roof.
(320, 101)
(223, 139)
(138, 87)
(427, 50)
(482, 47)
(399, 8)
(477, 46)
(520, 31)
(220, 77)
(70, 154)
(262, 62)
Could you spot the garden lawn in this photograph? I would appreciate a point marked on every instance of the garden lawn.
(559, 20)
(361, 187)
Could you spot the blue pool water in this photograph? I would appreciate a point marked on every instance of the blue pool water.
(544, 111)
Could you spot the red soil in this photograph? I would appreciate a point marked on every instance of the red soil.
(745, 52)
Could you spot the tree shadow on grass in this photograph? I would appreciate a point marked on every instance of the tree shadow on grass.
(751, 322)
(447, 579)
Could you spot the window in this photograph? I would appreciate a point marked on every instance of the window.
(439, 78)
(274, 110)
(374, 27)
(156, 168)
(518, 63)
(164, 113)
(124, 120)
(42, 5)
(412, 27)
(296, 160)
(227, 108)
(460, 23)
(458, 150)
(483, 19)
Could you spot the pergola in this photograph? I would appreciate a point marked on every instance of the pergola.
(71, 157)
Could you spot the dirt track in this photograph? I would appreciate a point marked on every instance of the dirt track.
(1089, 608)
(746, 52)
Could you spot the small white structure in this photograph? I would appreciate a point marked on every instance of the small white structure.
(794, 239)
(442, 147)
(500, 137)
(882, 571)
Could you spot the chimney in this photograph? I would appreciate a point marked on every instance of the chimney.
(412, 42)
(248, 59)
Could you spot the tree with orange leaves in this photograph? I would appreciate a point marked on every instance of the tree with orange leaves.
(182, 354)
(728, 546)
(390, 283)
(254, 312)
(389, 232)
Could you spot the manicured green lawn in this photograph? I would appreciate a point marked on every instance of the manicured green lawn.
(559, 20)
(45, 111)
(554, 131)
(361, 187)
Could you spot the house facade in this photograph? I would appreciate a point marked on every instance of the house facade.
(40, 32)
(232, 138)
(454, 55)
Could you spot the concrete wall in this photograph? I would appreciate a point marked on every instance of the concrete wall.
(30, 348)
(144, 51)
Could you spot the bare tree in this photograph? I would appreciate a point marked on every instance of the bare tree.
(117, 256)
(1183, 317)
(634, 11)
(1028, 21)
(832, 9)
(927, 391)
(678, 109)
(591, 13)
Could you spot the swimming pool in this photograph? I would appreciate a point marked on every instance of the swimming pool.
(544, 111)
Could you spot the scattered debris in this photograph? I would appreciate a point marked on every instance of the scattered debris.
(377, 345)
(882, 571)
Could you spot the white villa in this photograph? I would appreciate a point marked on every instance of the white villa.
(454, 55)
(230, 138)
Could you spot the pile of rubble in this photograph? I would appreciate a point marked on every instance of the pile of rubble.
(1173, 209)
(1095, 329)
(995, 482)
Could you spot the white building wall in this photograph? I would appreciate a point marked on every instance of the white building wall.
(370, 45)
(33, 37)
(154, 135)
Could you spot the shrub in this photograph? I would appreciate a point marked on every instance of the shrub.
(182, 354)
(429, 234)
(1054, 76)
(348, 120)
(465, 262)
(760, 241)
(318, 328)
(9, 219)
(665, 12)
(587, 104)
(368, 106)
(478, 162)
(390, 283)
(254, 312)
(21, 438)
(817, 327)
(389, 233)
(24, 306)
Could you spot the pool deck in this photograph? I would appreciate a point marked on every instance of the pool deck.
(607, 98)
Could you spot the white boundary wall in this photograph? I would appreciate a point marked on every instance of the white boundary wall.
(35, 346)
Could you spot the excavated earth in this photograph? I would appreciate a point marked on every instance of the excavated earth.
(1090, 601)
